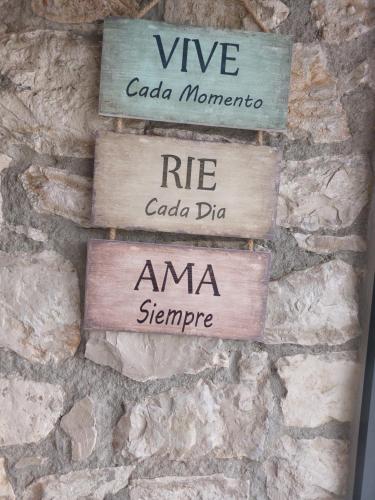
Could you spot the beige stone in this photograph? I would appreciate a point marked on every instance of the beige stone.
(148, 356)
(29, 410)
(316, 306)
(4, 164)
(323, 192)
(215, 487)
(314, 102)
(326, 244)
(271, 13)
(54, 191)
(214, 13)
(307, 469)
(343, 20)
(51, 102)
(226, 13)
(83, 11)
(221, 420)
(93, 484)
(6, 489)
(80, 425)
(320, 388)
(39, 306)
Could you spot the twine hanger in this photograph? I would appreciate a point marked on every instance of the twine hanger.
(120, 122)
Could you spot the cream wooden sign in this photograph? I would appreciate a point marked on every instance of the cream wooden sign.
(169, 289)
(164, 184)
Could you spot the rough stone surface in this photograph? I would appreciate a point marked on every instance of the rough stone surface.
(222, 420)
(360, 75)
(214, 13)
(148, 357)
(39, 306)
(83, 11)
(54, 191)
(29, 410)
(323, 193)
(50, 100)
(31, 461)
(215, 487)
(343, 20)
(80, 425)
(29, 232)
(326, 244)
(226, 13)
(316, 306)
(270, 13)
(315, 109)
(6, 490)
(307, 469)
(4, 163)
(95, 484)
(320, 388)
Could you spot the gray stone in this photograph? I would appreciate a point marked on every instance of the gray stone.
(148, 356)
(215, 487)
(39, 306)
(57, 192)
(319, 388)
(6, 489)
(360, 75)
(51, 100)
(29, 410)
(83, 11)
(326, 244)
(222, 420)
(197, 135)
(29, 232)
(315, 108)
(343, 20)
(93, 484)
(316, 306)
(31, 461)
(4, 163)
(80, 425)
(307, 469)
(323, 192)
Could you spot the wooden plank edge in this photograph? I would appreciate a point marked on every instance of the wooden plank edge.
(152, 119)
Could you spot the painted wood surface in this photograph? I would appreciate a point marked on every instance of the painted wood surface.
(186, 74)
(176, 290)
(163, 184)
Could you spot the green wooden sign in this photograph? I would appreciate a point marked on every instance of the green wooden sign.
(158, 71)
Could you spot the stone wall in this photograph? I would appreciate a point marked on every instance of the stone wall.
(133, 416)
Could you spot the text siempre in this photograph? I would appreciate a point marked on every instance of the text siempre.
(151, 314)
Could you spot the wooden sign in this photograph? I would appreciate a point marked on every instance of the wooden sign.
(158, 71)
(163, 184)
(181, 290)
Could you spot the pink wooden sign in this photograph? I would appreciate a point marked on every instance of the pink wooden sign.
(177, 290)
